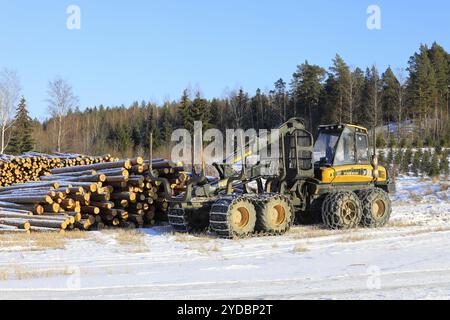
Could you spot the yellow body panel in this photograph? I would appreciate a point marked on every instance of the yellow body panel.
(352, 173)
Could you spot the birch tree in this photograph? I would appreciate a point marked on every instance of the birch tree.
(61, 100)
(9, 94)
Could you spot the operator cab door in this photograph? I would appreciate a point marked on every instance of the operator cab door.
(351, 159)
(298, 148)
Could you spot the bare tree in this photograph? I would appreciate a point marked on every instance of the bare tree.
(61, 100)
(9, 94)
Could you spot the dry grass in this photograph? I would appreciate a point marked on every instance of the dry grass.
(39, 241)
(402, 224)
(311, 232)
(185, 237)
(300, 249)
(428, 230)
(133, 240)
(435, 179)
(355, 237)
(21, 273)
(207, 248)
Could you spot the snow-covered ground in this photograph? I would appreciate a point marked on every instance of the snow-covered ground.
(409, 259)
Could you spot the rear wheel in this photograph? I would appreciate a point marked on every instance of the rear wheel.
(341, 210)
(189, 220)
(233, 217)
(376, 208)
(275, 214)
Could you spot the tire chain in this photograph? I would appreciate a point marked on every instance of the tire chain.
(331, 204)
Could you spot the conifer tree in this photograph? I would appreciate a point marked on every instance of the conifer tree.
(416, 163)
(433, 170)
(425, 165)
(444, 169)
(406, 161)
(21, 138)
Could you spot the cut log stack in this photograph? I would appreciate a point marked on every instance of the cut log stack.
(90, 197)
(30, 166)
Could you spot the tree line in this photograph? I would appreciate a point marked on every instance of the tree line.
(409, 107)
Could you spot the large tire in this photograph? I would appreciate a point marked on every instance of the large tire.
(189, 220)
(275, 214)
(341, 210)
(376, 208)
(233, 217)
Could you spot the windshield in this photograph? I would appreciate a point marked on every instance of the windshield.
(325, 146)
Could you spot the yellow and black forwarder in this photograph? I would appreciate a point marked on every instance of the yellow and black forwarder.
(336, 181)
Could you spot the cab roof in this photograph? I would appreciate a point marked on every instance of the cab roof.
(342, 126)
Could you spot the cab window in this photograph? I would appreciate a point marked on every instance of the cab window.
(345, 152)
(362, 147)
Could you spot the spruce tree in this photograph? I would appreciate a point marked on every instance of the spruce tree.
(416, 163)
(166, 125)
(433, 170)
(425, 165)
(381, 157)
(444, 169)
(407, 159)
(21, 138)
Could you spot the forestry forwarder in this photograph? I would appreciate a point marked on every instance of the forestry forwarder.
(345, 188)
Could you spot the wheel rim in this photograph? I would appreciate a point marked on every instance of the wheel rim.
(349, 212)
(378, 209)
(240, 217)
(278, 214)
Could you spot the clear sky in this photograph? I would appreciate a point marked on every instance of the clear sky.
(151, 50)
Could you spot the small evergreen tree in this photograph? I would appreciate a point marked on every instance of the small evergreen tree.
(21, 138)
(406, 161)
(416, 162)
(433, 170)
(444, 164)
(425, 165)
(381, 142)
(381, 157)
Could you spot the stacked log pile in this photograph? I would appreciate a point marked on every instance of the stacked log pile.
(30, 166)
(90, 197)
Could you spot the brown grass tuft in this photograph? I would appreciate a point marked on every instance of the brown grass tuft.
(355, 237)
(402, 224)
(39, 241)
(311, 232)
(299, 249)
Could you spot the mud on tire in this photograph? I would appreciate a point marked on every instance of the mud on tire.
(376, 208)
(341, 210)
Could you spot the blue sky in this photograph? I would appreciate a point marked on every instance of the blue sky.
(152, 50)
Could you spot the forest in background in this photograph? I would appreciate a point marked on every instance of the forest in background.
(415, 98)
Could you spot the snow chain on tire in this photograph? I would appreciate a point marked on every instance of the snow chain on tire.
(233, 217)
(275, 214)
(341, 210)
(192, 220)
(376, 207)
